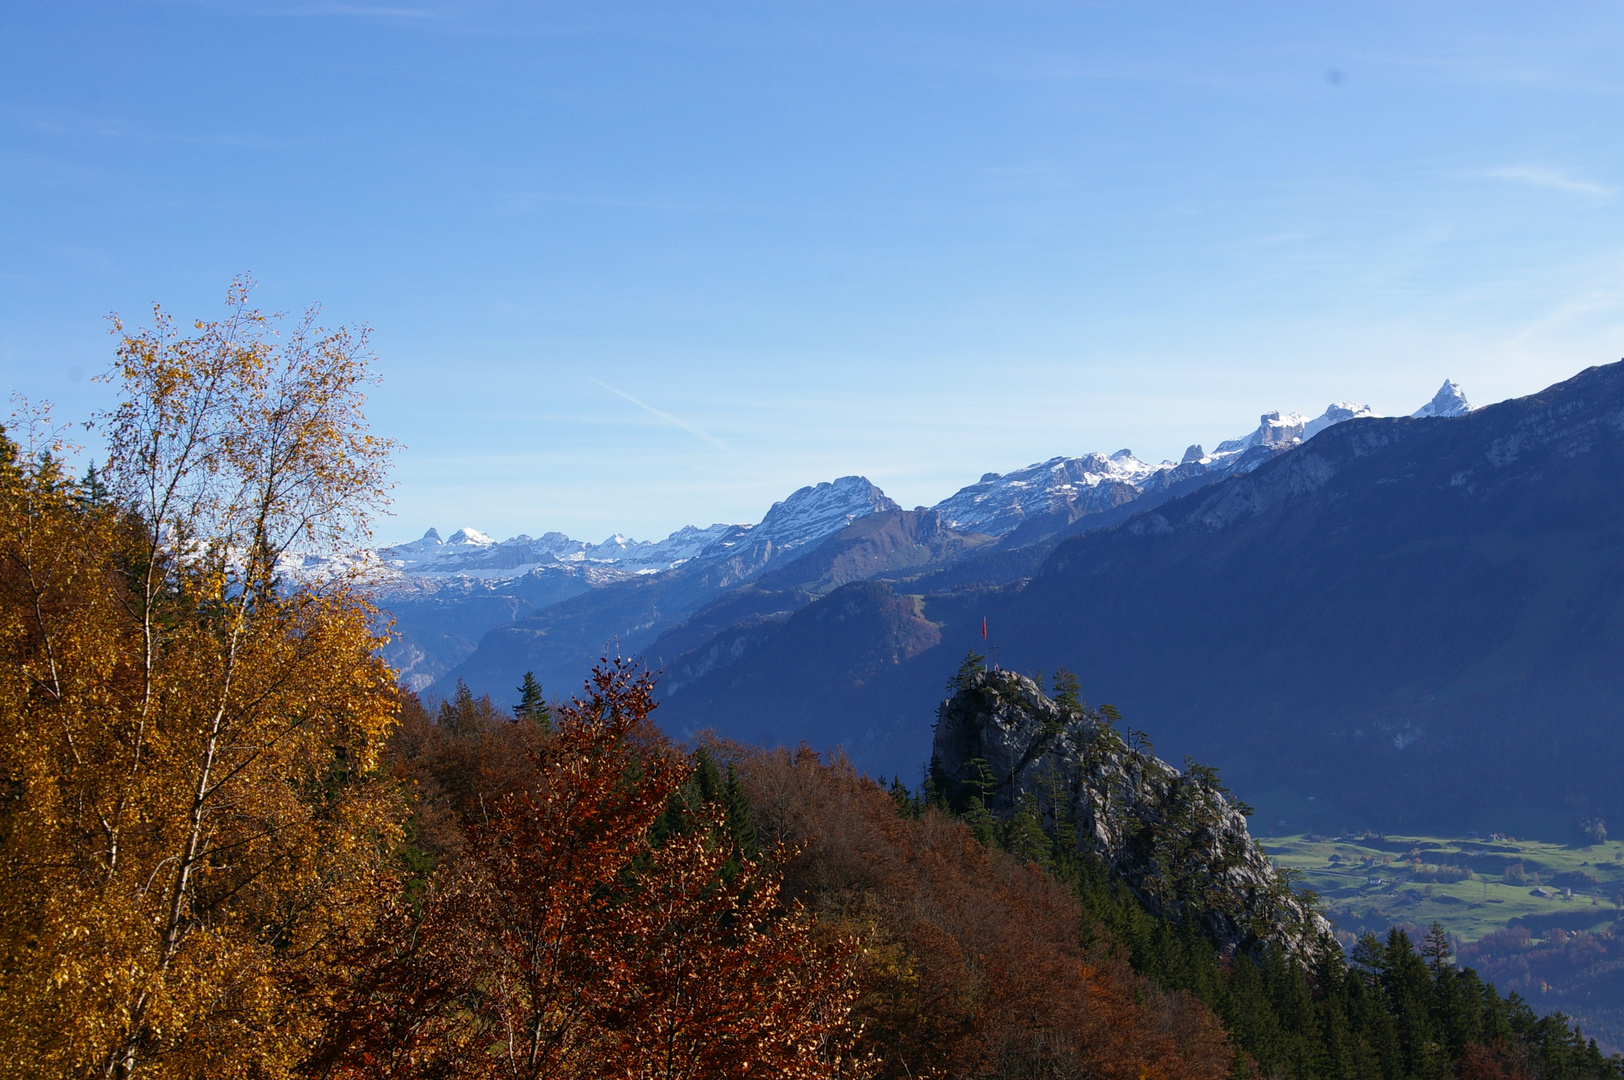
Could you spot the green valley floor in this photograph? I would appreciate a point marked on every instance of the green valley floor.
(1539, 919)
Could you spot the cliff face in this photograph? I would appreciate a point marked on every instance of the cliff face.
(1177, 838)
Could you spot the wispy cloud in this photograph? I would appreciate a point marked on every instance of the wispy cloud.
(363, 10)
(1554, 179)
(667, 417)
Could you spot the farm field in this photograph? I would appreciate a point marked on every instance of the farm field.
(1472, 886)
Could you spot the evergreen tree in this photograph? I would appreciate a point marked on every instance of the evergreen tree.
(1435, 949)
(935, 787)
(1067, 691)
(1023, 835)
(707, 779)
(737, 806)
(907, 804)
(974, 664)
(460, 715)
(532, 704)
(92, 493)
(969, 798)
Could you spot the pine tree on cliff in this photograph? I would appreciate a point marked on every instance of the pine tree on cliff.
(1067, 690)
(973, 665)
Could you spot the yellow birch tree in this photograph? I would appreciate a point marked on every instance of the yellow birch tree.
(191, 825)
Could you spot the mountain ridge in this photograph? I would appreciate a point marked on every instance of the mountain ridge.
(1396, 598)
(1044, 501)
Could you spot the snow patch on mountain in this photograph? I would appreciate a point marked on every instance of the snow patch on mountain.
(652, 556)
(470, 553)
(1335, 413)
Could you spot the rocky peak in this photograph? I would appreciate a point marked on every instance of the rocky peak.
(1450, 400)
(816, 512)
(1177, 838)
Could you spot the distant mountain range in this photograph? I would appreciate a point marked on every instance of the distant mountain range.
(446, 595)
(1400, 624)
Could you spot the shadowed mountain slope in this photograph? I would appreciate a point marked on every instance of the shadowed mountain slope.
(668, 614)
(1415, 621)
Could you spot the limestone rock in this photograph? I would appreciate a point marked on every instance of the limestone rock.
(1176, 837)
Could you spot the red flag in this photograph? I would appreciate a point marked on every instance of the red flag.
(983, 628)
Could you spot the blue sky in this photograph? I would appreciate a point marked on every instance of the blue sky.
(637, 266)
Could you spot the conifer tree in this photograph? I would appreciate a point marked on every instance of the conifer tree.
(1067, 690)
(935, 786)
(707, 779)
(532, 704)
(1435, 949)
(736, 808)
(92, 493)
(973, 664)
(903, 798)
(460, 715)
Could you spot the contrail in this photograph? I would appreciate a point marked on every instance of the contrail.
(667, 417)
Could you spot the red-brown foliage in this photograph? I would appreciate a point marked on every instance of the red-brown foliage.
(1478, 1062)
(560, 942)
(973, 962)
(457, 763)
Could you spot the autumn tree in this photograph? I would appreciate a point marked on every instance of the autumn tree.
(189, 734)
(565, 942)
(973, 965)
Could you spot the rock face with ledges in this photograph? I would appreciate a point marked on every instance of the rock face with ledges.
(1177, 838)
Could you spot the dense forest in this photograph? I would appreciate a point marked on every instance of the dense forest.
(231, 847)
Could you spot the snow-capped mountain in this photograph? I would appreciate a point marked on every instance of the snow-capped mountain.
(1078, 486)
(994, 505)
(813, 513)
(804, 518)
(1449, 401)
(1424, 656)
(998, 503)
(446, 594)
(471, 553)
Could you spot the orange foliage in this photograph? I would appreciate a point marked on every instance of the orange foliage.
(973, 963)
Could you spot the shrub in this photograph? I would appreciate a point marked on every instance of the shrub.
(1446, 875)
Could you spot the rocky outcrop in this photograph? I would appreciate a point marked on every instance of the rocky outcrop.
(1176, 837)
